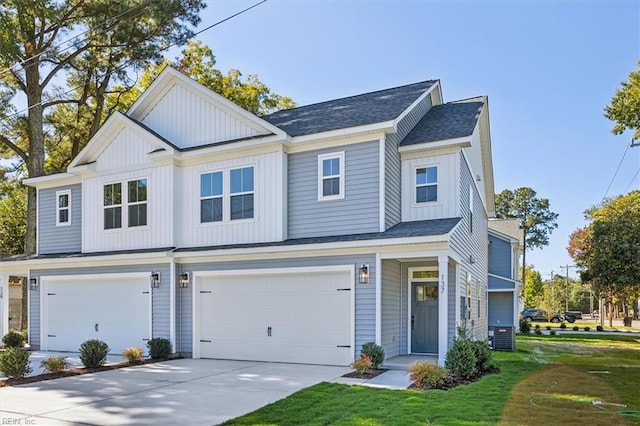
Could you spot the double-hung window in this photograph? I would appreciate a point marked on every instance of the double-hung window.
(331, 176)
(211, 197)
(241, 193)
(112, 206)
(426, 182)
(137, 202)
(63, 208)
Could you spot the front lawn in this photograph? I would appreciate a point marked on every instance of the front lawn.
(552, 379)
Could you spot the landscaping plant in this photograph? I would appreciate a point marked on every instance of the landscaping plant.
(13, 339)
(525, 326)
(93, 353)
(587, 328)
(362, 364)
(599, 328)
(483, 355)
(159, 348)
(426, 374)
(374, 352)
(133, 355)
(14, 363)
(563, 325)
(460, 360)
(575, 328)
(55, 364)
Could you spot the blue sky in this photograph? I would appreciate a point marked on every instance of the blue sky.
(548, 67)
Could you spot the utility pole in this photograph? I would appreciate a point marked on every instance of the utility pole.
(566, 285)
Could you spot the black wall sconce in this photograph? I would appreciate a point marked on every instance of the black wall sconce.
(364, 274)
(33, 283)
(184, 280)
(155, 279)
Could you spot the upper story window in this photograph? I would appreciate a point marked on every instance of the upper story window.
(211, 197)
(112, 206)
(426, 184)
(63, 208)
(331, 176)
(137, 202)
(220, 201)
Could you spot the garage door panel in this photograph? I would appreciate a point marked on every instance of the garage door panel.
(308, 316)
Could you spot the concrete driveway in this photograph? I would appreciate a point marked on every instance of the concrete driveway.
(184, 391)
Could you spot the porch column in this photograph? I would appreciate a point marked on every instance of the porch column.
(443, 303)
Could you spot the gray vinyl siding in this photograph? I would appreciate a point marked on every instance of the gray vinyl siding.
(501, 308)
(357, 212)
(365, 306)
(59, 239)
(391, 311)
(160, 311)
(499, 256)
(393, 192)
(496, 283)
(451, 305)
(465, 244)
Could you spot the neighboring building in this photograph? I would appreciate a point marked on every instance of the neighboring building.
(293, 237)
(505, 289)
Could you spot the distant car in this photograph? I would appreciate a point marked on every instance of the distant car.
(595, 314)
(572, 316)
(541, 315)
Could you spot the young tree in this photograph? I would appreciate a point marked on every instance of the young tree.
(533, 291)
(88, 44)
(625, 106)
(536, 220)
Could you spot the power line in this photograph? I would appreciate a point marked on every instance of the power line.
(125, 65)
(630, 183)
(616, 173)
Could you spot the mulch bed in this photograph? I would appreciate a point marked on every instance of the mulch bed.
(369, 374)
(74, 372)
(451, 382)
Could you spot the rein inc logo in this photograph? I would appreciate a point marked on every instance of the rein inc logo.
(17, 421)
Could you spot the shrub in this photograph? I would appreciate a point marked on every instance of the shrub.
(525, 326)
(587, 328)
(159, 348)
(599, 328)
(563, 325)
(575, 328)
(133, 355)
(55, 364)
(93, 353)
(426, 374)
(483, 355)
(548, 327)
(460, 360)
(14, 363)
(13, 339)
(362, 364)
(374, 352)
(552, 333)
(537, 326)
(538, 332)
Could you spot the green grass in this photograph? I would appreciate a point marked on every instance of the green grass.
(550, 379)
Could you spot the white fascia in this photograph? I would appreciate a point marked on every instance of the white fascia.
(52, 181)
(384, 127)
(463, 142)
(415, 103)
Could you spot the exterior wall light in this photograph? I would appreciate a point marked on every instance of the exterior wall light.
(155, 279)
(364, 274)
(184, 280)
(33, 283)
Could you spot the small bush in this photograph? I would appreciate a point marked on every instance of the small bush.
(483, 355)
(587, 328)
(93, 353)
(362, 364)
(575, 328)
(563, 325)
(460, 360)
(548, 327)
(14, 363)
(599, 328)
(538, 332)
(13, 339)
(537, 326)
(525, 326)
(426, 374)
(159, 348)
(133, 355)
(552, 333)
(55, 364)
(374, 352)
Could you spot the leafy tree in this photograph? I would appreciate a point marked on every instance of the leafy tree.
(536, 220)
(607, 250)
(87, 44)
(625, 106)
(533, 291)
(551, 298)
(13, 215)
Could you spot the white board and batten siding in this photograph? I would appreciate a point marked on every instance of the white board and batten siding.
(448, 187)
(268, 223)
(187, 119)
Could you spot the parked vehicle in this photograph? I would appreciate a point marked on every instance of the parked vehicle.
(572, 316)
(541, 315)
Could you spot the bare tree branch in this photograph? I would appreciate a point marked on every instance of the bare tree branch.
(5, 141)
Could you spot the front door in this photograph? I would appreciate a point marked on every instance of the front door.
(424, 317)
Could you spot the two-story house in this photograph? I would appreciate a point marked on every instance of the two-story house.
(294, 237)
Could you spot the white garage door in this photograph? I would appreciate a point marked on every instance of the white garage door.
(115, 310)
(300, 317)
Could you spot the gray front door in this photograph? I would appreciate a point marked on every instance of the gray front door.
(424, 317)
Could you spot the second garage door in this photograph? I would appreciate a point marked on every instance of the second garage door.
(303, 316)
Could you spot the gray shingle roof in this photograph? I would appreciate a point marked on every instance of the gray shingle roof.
(360, 110)
(447, 121)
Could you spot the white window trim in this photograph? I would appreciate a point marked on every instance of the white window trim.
(340, 176)
(226, 196)
(66, 192)
(137, 203)
(416, 186)
(110, 206)
(124, 204)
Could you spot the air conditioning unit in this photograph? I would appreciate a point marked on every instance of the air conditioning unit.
(502, 338)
